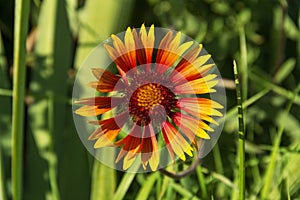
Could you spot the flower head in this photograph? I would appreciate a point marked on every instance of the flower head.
(159, 97)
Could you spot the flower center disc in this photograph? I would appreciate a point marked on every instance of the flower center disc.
(146, 99)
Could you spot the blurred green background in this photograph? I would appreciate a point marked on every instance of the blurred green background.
(263, 36)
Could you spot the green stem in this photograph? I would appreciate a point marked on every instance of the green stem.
(21, 25)
(244, 65)
(6, 92)
(202, 182)
(2, 178)
(125, 183)
(241, 135)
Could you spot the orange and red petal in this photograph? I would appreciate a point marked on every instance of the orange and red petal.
(123, 54)
(106, 139)
(90, 111)
(202, 85)
(199, 127)
(108, 131)
(176, 141)
(190, 73)
(147, 41)
(97, 105)
(106, 81)
(130, 147)
(199, 107)
(170, 50)
(149, 149)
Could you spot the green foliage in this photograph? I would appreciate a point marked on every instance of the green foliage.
(263, 36)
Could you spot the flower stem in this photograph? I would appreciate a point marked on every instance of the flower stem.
(21, 25)
(241, 149)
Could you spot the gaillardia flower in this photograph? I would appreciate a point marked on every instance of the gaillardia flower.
(155, 94)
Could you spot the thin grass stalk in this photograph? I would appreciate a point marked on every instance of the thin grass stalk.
(147, 186)
(125, 183)
(275, 88)
(183, 191)
(202, 182)
(233, 111)
(219, 169)
(2, 178)
(6, 92)
(241, 149)
(271, 166)
(21, 26)
(244, 65)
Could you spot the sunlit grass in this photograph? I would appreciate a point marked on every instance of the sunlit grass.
(21, 26)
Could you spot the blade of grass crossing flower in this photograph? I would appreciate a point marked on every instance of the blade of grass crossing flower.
(147, 186)
(268, 178)
(241, 149)
(202, 182)
(21, 26)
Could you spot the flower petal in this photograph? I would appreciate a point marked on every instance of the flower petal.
(189, 73)
(89, 111)
(112, 124)
(200, 106)
(149, 148)
(187, 123)
(97, 105)
(199, 86)
(170, 50)
(130, 48)
(176, 140)
(106, 80)
(106, 139)
(148, 41)
(130, 147)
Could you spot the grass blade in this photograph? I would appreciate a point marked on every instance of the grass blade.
(2, 178)
(244, 65)
(123, 186)
(147, 186)
(21, 26)
(184, 192)
(271, 167)
(202, 182)
(241, 135)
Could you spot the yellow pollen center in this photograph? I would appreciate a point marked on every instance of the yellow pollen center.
(149, 95)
